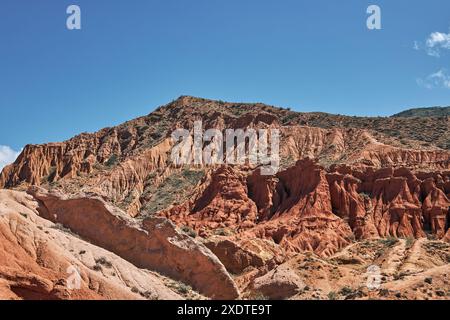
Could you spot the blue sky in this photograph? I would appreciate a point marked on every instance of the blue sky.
(132, 56)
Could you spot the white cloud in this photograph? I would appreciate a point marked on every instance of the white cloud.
(7, 156)
(436, 42)
(439, 79)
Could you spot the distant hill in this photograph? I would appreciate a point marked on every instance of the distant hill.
(424, 112)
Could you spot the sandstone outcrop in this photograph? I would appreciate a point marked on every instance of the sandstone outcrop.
(240, 255)
(126, 182)
(154, 244)
(234, 258)
(280, 283)
(38, 260)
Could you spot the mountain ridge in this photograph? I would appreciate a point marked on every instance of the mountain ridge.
(315, 118)
(425, 112)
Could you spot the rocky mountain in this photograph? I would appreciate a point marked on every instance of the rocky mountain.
(351, 192)
(425, 112)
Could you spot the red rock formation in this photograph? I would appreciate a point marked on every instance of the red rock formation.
(397, 202)
(223, 203)
(302, 217)
(436, 208)
(352, 206)
(309, 208)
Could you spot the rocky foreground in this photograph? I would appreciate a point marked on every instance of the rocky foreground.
(352, 202)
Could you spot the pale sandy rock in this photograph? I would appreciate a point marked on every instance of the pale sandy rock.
(155, 244)
(35, 256)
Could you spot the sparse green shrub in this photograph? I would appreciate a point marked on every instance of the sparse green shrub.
(59, 226)
(409, 242)
(181, 288)
(332, 295)
(104, 262)
(51, 175)
(112, 161)
(345, 291)
(134, 290)
(364, 195)
(259, 297)
(398, 276)
(156, 135)
(221, 232)
(389, 241)
(97, 267)
(189, 231)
